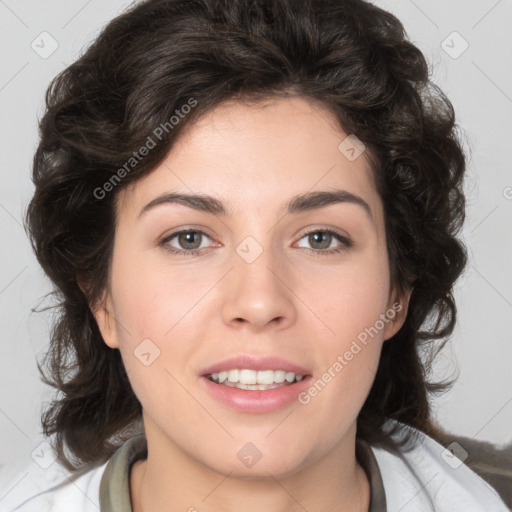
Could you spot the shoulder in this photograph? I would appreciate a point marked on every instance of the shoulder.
(428, 477)
(55, 489)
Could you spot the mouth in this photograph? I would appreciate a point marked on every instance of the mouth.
(255, 384)
(254, 380)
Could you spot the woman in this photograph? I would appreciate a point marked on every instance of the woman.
(249, 210)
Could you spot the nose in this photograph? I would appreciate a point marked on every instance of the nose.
(258, 295)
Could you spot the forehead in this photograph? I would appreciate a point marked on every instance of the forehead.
(259, 154)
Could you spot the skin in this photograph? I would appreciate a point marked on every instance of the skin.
(293, 302)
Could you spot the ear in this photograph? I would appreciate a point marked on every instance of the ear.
(104, 314)
(396, 312)
(105, 318)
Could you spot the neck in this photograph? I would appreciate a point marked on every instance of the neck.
(172, 480)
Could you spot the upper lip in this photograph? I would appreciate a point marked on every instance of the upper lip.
(254, 363)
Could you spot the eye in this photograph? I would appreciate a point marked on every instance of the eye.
(326, 241)
(192, 241)
(186, 242)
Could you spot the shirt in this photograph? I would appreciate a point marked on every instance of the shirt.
(426, 478)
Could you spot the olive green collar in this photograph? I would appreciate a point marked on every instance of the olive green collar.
(115, 482)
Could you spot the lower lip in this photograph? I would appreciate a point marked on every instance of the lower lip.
(256, 401)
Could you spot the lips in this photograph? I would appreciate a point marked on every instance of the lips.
(255, 385)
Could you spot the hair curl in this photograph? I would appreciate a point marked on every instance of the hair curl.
(351, 56)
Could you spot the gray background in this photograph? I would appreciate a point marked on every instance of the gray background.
(479, 84)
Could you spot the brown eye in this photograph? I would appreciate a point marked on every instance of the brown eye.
(320, 240)
(189, 240)
(186, 242)
(325, 241)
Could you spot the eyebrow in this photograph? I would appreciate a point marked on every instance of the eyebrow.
(297, 204)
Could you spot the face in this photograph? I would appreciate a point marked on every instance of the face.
(283, 273)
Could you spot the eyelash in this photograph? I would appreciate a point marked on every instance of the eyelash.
(345, 243)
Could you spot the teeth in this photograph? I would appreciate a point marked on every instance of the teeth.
(255, 379)
(247, 377)
(279, 376)
(264, 377)
(253, 387)
(234, 375)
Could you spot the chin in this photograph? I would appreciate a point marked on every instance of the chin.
(258, 461)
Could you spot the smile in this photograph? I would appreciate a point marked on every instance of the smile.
(256, 380)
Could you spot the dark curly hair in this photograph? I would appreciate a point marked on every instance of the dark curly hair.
(349, 55)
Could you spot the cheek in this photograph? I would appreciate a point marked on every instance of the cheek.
(350, 303)
(150, 299)
(159, 313)
(156, 311)
(349, 298)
